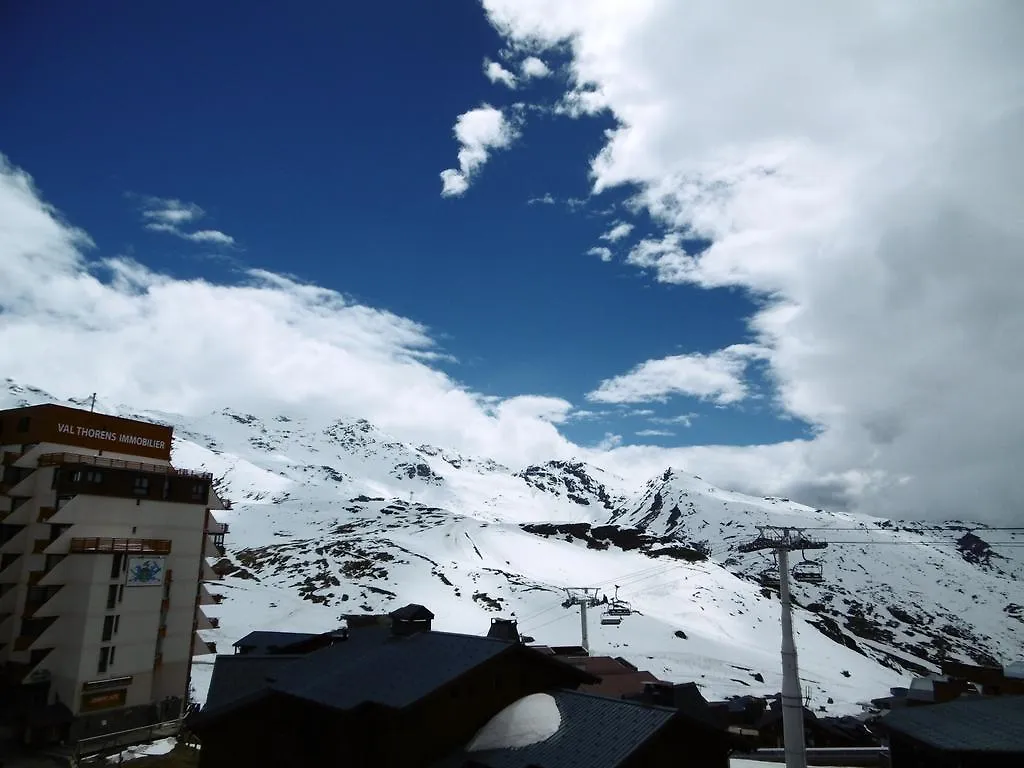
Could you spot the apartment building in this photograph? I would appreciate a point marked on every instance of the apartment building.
(103, 556)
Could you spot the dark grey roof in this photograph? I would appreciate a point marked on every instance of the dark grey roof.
(393, 671)
(265, 641)
(973, 724)
(411, 612)
(595, 732)
(236, 677)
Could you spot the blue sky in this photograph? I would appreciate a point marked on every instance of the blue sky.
(315, 138)
(822, 257)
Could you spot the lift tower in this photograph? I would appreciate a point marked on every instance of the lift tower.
(584, 597)
(782, 541)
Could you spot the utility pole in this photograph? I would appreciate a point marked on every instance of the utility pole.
(782, 541)
(584, 597)
(92, 403)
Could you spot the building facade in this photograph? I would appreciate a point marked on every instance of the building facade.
(103, 555)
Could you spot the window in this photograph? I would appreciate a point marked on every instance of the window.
(23, 423)
(120, 594)
(51, 561)
(111, 597)
(112, 649)
(108, 628)
(142, 486)
(117, 565)
(76, 476)
(198, 492)
(94, 477)
(7, 559)
(101, 668)
(117, 623)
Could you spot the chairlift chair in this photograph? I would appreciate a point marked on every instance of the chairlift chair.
(619, 607)
(808, 571)
(610, 619)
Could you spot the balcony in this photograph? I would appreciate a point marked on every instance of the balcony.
(39, 546)
(45, 513)
(102, 546)
(10, 457)
(60, 459)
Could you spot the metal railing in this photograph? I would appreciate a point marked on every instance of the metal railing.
(825, 756)
(131, 546)
(120, 739)
(58, 459)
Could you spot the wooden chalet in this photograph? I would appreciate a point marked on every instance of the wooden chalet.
(401, 694)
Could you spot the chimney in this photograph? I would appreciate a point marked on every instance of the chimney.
(410, 620)
(504, 629)
(659, 692)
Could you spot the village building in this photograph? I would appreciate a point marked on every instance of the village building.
(398, 693)
(971, 732)
(102, 563)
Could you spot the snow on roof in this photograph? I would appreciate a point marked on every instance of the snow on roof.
(530, 720)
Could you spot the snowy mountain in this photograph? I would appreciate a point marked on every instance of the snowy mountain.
(334, 517)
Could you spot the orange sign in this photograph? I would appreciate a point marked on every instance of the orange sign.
(92, 702)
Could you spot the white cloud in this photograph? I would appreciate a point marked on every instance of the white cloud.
(717, 377)
(546, 199)
(683, 419)
(73, 325)
(618, 231)
(169, 215)
(166, 211)
(479, 132)
(857, 169)
(209, 236)
(532, 67)
(655, 433)
(601, 252)
(498, 74)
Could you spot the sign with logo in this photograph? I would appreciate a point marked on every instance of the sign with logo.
(93, 702)
(125, 441)
(79, 428)
(145, 572)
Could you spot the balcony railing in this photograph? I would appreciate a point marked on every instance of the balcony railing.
(131, 546)
(58, 459)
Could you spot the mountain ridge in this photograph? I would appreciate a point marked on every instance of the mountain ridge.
(332, 516)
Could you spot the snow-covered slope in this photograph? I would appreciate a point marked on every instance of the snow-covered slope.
(333, 517)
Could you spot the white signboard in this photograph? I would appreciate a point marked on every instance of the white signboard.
(145, 571)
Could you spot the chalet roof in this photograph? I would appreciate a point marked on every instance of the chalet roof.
(595, 731)
(264, 642)
(371, 666)
(236, 677)
(412, 612)
(973, 724)
(395, 673)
